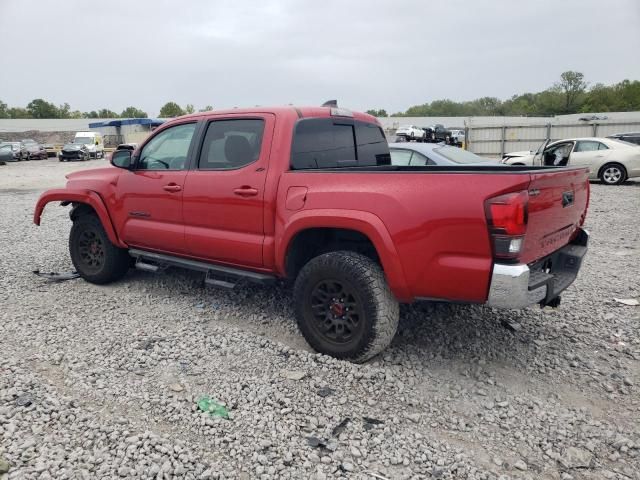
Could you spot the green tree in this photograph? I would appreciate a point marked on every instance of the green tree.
(17, 112)
(133, 112)
(40, 108)
(4, 110)
(378, 113)
(573, 87)
(91, 114)
(64, 111)
(171, 109)
(189, 108)
(208, 108)
(106, 113)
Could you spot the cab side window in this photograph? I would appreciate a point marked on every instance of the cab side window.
(168, 150)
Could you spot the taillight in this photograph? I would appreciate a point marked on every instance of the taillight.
(507, 217)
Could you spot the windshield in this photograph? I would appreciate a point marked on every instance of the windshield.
(459, 155)
(83, 140)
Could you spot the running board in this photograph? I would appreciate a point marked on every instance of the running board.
(217, 275)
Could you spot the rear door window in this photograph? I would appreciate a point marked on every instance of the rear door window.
(372, 146)
(586, 146)
(401, 157)
(334, 143)
(231, 144)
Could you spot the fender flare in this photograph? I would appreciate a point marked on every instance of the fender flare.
(88, 197)
(365, 223)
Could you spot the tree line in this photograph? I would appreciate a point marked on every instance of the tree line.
(39, 108)
(571, 94)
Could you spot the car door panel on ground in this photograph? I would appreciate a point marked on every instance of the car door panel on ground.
(149, 197)
(224, 193)
(589, 153)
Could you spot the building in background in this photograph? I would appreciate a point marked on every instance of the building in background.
(125, 130)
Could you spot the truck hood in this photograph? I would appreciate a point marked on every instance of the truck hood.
(90, 178)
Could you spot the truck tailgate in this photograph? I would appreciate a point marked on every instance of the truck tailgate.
(557, 206)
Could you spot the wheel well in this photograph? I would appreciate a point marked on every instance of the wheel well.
(313, 242)
(80, 209)
(612, 163)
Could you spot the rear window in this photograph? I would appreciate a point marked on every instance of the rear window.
(334, 143)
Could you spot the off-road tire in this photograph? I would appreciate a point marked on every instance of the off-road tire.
(362, 276)
(114, 261)
(608, 178)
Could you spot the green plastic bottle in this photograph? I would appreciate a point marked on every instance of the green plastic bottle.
(212, 407)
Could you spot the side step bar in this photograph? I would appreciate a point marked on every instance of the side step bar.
(217, 275)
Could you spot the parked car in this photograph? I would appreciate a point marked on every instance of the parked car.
(34, 150)
(422, 154)
(437, 133)
(18, 151)
(93, 142)
(627, 137)
(51, 150)
(608, 160)
(457, 137)
(6, 153)
(127, 146)
(308, 194)
(411, 132)
(74, 151)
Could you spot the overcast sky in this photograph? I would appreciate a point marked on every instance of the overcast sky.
(366, 53)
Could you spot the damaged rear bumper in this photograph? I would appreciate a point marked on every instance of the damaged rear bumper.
(518, 286)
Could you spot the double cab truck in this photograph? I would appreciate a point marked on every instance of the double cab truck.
(309, 195)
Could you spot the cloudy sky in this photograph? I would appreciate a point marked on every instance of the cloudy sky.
(366, 53)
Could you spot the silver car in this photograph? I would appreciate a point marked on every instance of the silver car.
(422, 154)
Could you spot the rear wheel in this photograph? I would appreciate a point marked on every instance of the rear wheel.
(613, 174)
(95, 258)
(344, 307)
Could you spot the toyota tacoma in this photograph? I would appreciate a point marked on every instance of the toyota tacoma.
(309, 195)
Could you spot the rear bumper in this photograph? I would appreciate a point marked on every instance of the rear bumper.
(518, 286)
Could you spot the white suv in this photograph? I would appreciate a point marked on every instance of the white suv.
(411, 132)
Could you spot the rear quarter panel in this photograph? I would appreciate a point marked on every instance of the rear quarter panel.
(435, 222)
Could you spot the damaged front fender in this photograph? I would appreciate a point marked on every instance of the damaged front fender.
(87, 197)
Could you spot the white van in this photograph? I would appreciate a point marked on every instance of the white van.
(93, 141)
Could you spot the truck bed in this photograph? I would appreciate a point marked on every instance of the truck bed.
(435, 216)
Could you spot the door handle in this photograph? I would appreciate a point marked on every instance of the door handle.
(172, 187)
(246, 191)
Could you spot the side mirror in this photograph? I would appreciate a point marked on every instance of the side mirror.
(121, 159)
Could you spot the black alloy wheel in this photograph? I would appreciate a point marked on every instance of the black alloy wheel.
(336, 310)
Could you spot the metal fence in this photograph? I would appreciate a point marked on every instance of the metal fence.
(495, 141)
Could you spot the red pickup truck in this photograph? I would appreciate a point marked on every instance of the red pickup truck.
(310, 195)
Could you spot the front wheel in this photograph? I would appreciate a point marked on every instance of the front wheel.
(613, 174)
(95, 258)
(344, 306)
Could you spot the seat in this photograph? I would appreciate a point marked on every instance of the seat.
(238, 151)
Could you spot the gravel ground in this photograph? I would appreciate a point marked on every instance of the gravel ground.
(102, 382)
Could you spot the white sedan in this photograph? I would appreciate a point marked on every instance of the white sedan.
(611, 161)
(411, 132)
